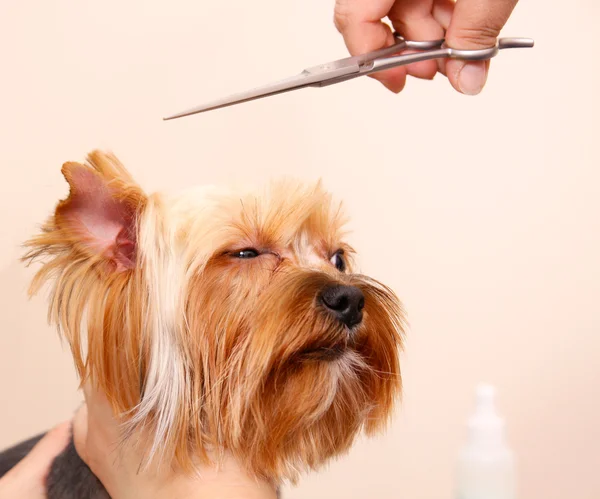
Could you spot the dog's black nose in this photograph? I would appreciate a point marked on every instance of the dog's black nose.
(346, 302)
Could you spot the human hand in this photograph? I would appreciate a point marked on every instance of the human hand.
(465, 24)
(27, 479)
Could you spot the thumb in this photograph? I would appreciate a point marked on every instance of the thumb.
(475, 24)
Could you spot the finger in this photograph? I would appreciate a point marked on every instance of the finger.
(442, 13)
(413, 19)
(80, 432)
(34, 467)
(475, 24)
(94, 427)
(359, 22)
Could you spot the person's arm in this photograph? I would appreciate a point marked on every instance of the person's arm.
(465, 24)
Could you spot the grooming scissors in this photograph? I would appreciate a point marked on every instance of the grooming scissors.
(349, 68)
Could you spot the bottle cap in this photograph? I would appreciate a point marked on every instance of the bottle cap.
(485, 427)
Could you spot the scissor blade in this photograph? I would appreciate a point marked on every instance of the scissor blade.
(316, 76)
(307, 78)
(286, 85)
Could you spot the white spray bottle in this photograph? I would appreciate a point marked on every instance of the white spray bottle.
(486, 465)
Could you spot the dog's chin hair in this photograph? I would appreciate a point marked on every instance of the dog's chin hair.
(201, 354)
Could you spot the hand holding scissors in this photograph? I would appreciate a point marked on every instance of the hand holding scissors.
(465, 24)
(466, 67)
(349, 68)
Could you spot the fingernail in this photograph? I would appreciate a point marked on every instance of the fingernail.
(471, 78)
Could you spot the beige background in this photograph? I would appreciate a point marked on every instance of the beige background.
(481, 212)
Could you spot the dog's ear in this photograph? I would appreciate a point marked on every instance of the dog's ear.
(89, 248)
(98, 218)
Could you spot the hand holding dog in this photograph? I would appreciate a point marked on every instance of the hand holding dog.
(465, 24)
(27, 479)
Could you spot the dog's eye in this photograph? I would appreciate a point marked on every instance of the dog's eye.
(338, 261)
(245, 253)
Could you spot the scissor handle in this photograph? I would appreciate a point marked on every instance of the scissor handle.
(502, 43)
(488, 53)
(400, 45)
(404, 44)
(442, 51)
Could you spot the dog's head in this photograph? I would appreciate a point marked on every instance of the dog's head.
(218, 321)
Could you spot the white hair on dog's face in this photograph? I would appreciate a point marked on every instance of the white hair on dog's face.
(165, 229)
(164, 388)
(202, 351)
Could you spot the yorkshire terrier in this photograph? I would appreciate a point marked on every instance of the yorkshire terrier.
(216, 321)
